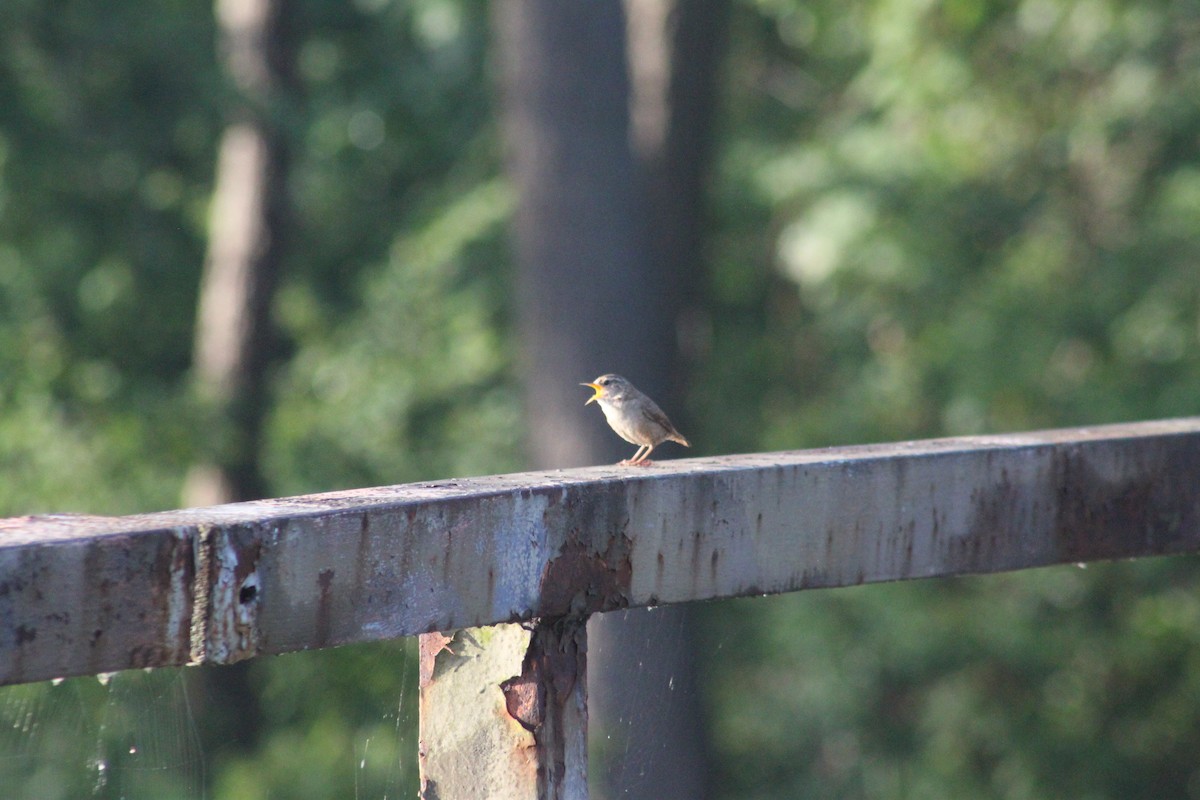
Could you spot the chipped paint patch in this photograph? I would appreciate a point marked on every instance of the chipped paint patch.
(469, 744)
(549, 699)
(225, 614)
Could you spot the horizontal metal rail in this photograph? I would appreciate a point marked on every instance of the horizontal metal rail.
(86, 595)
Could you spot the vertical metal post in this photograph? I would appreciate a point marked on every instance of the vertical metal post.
(504, 712)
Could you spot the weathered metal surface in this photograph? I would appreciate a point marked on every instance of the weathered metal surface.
(504, 712)
(83, 595)
(73, 605)
(471, 746)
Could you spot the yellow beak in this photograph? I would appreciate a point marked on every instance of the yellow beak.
(599, 392)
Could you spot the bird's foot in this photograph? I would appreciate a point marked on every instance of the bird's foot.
(629, 462)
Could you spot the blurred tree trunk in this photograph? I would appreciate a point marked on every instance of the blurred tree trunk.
(233, 344)
(607, 240)
(588, 302)
(675, 51)
(246, 238)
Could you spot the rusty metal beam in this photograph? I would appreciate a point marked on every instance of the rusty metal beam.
(81, 595)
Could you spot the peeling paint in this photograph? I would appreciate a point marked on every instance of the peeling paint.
(579, 581)
(548, 698)
(227, 597)
(469, 744)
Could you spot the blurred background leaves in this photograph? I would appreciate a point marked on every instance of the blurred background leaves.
(926, 219)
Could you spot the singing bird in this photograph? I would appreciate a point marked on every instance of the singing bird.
(635, 417)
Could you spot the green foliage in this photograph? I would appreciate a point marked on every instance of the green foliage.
(107, 148)
(424, 364)
(979, 217)
(1053, 683)
(125, 735)
(355, 736)
(106, 125)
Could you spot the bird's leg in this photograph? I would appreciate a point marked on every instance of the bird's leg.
(643, 461)
(637, 457)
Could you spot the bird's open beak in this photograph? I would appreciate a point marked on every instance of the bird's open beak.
(599, 392)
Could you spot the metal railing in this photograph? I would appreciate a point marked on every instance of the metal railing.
(510, 567)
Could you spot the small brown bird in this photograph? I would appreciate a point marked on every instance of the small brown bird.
(635, 417)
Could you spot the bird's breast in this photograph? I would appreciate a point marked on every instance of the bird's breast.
(623, 423)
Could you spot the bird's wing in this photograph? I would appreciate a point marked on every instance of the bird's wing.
(657, 416)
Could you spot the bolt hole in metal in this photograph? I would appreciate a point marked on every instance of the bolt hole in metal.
(248, 593)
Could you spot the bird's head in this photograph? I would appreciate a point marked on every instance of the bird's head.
(607, 387)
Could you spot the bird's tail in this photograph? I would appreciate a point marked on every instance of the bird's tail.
(675, 437)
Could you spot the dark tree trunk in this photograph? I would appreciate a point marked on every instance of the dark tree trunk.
(588, 302)
(675, 51)
(607, 240)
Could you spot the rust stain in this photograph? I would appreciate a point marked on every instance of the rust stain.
(364, 565)
(581, 581)
(324, 602)
(179, 602)
(540, 698)
(697, 547)
(1098, 516)
(166, 620)
(525, 699)
(1110, 501)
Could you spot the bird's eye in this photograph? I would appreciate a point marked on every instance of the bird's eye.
(604, 381)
